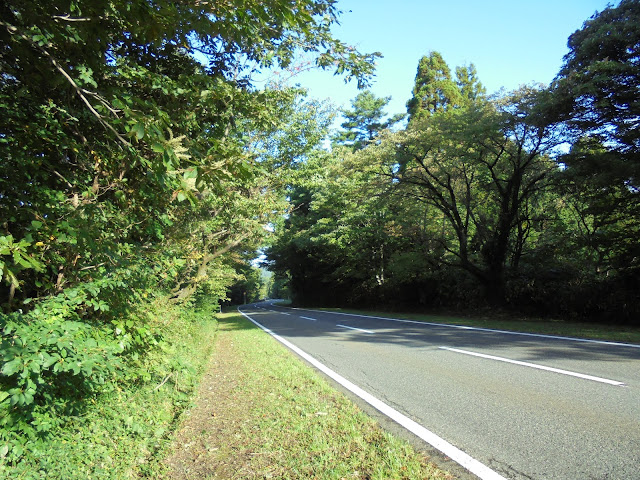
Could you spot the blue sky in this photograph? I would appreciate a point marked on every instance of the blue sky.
(510, 42)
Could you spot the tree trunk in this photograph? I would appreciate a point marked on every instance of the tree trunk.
(495, 289)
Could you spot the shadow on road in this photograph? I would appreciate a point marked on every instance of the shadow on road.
(410, 334)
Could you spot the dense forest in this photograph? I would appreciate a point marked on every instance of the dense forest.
(141, 159)
(525, 200)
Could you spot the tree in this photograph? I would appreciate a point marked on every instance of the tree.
(434, 90)
(336, 244)
(131, 138)
(596, 91)
(109, 121)
(364, 121)
(469, 84)
(481, 167)
(595, 96)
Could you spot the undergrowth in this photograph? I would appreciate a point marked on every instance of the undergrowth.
(73, 407)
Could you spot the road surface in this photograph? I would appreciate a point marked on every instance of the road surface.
(519, 406)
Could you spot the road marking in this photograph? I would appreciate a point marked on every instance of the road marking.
(309, 318)
(354, 328)
(539, 367)
(478, 329)
(474, 466)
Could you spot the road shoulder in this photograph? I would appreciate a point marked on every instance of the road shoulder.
(262, 413)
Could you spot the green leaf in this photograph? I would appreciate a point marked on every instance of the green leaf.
(50, 360)
(138, 130)
(117, 103)
(86, 76)
(190, 173)
(13, 367)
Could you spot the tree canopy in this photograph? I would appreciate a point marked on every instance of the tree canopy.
(596, 93)
(525, 200)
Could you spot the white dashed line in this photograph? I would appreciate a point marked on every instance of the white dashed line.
(354, 328)
(478, 329)
(539, 367)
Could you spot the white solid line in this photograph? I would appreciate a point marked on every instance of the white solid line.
(478, 329)
(309, 318)
(474, 466)
(539, 367)
(354, 328)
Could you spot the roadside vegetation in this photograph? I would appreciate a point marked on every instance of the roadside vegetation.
(263, 413)
(526, 201)
(118, 429)
(139, 162)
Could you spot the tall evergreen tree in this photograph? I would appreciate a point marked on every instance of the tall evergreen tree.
(434, 89)
(596, 90)
(469, 84)
(596, 96)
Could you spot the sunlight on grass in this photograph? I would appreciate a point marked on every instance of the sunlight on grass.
(298, 426)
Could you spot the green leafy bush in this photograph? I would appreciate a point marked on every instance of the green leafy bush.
(117, 418)
(49, 365)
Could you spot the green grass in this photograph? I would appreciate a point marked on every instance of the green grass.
(502, 321)
(122, 431)
(287, 422)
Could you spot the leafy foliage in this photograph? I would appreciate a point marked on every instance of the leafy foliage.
(595, 97)
(482, 168)
(138, 158)
(474, 203)
(434, 90)
(118, 433)
(596, 89)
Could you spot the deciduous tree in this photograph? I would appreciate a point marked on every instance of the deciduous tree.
(481, 167)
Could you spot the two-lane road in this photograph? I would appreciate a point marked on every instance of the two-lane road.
(520, 406)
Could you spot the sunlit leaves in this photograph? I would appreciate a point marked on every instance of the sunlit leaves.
(137, 157)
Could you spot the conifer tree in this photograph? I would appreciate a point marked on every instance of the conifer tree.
(365, 120)
(434, 89)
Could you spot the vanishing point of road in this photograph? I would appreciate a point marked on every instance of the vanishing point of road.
(516, 406)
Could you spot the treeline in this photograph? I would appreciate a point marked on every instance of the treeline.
(139, 159)
(527, 200)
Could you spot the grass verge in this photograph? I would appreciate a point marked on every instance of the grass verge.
(502, 321)
(121, 431)
(263, 413)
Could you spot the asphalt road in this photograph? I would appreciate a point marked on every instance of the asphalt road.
(525, 406)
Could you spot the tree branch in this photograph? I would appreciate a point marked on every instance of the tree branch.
(79, 91)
